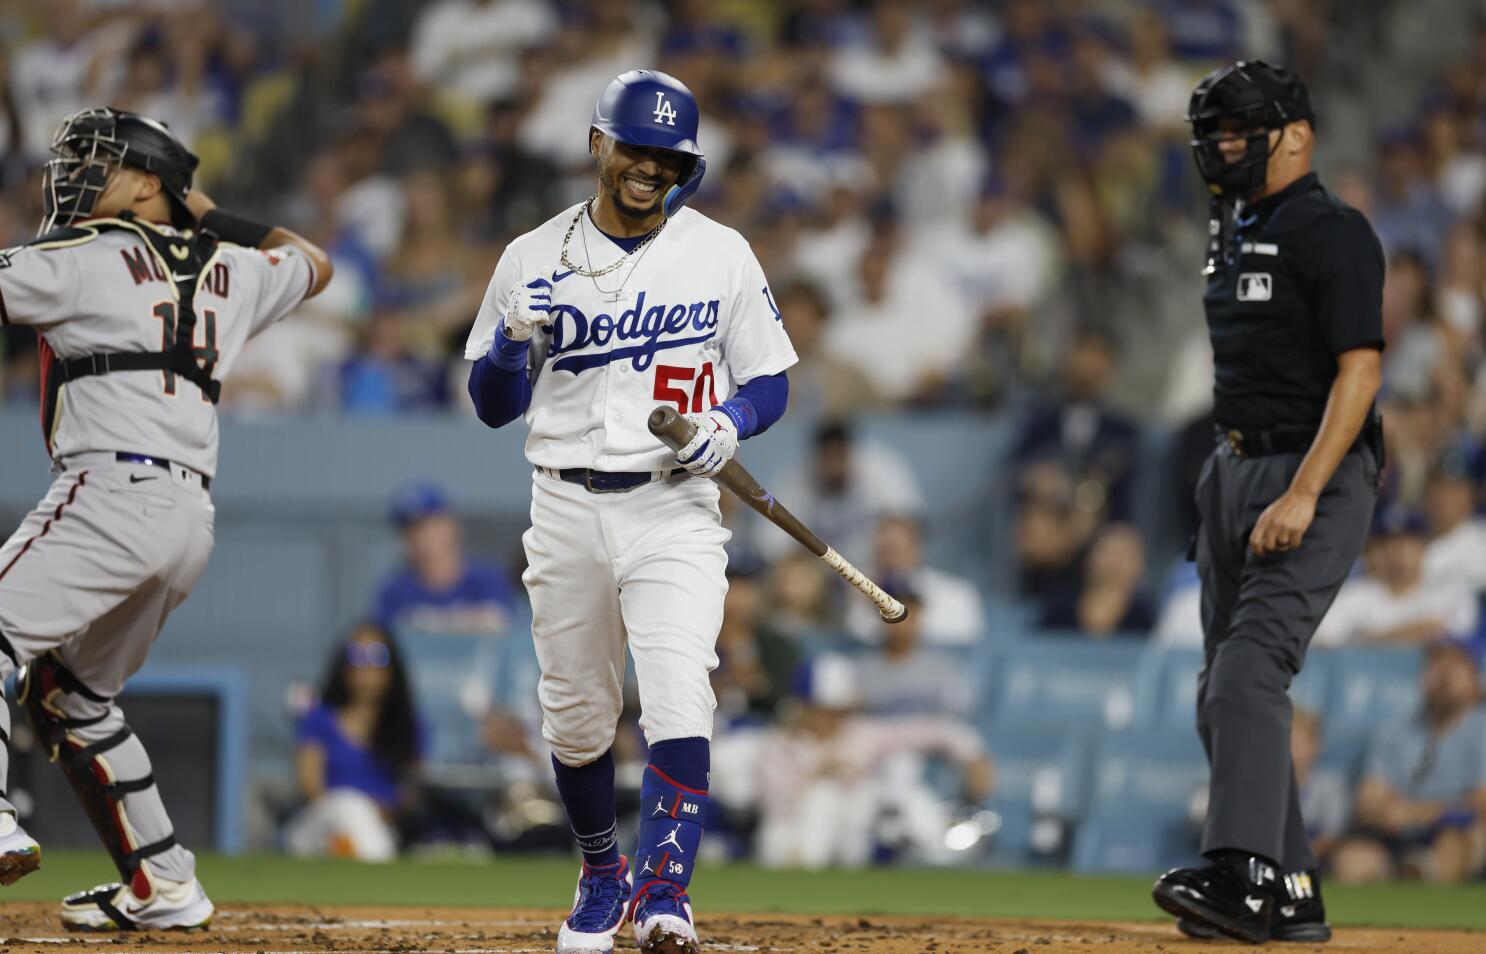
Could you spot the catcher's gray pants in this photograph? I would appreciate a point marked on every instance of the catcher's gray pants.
(90, 576)
(1258, 617)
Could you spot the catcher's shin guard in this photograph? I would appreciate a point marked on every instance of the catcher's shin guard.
(105, 763)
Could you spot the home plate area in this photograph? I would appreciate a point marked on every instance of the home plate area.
(263, 929)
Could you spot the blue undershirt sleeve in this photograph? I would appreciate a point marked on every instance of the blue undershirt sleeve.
(499, 384)
(758, 404)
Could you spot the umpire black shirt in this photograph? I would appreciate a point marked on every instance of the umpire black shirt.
(1298, 279)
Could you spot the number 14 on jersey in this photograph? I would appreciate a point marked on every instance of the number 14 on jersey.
(205, 350)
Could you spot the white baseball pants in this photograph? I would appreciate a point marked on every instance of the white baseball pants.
(645, 566)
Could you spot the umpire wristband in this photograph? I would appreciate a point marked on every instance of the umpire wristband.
(235, 229)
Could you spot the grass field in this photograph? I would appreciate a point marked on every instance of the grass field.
(548, 883)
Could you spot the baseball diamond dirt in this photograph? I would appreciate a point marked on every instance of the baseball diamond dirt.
(287, 929)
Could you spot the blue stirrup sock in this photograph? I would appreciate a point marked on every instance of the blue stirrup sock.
(673, 811)
(588, 795)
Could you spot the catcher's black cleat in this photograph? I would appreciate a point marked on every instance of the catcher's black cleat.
(1299, 915)
(1235, 900)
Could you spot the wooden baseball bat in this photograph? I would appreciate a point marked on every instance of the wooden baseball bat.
(676, 432)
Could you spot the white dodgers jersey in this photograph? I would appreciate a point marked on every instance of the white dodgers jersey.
(88, 292)
(693, 319)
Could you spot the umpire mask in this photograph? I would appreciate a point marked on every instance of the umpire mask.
(1242, 101)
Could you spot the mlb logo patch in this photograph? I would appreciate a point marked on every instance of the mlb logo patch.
(1255, 286)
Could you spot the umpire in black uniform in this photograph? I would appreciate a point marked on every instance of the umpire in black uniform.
(1293, 300)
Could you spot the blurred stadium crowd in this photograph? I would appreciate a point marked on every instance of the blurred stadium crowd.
(974, 208)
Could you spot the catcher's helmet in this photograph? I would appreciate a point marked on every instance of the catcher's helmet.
(1256, 98)
(651, 108)
(90, 143)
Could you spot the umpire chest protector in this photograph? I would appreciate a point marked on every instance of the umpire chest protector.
(1293, 280)
(186, 259)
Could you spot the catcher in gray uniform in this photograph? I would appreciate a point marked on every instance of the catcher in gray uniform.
(142, 294)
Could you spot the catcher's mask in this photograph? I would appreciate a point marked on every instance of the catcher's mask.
(1245, 100)
(90, 146)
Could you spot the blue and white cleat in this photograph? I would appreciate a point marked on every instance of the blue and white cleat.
(662, 915)
(599, 907)
(19, 853)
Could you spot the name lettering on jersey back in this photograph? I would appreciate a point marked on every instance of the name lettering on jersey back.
(657, 328)
(144, 267)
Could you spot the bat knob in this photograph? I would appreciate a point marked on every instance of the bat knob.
(661, 420)
(897, 617)
(672, 429)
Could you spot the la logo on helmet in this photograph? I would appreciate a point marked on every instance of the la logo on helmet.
(664, 113)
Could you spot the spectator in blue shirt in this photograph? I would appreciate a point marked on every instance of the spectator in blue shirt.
(1203, 30)
(384, 376)
(1421, 810)
(1409, 213)
(357, 753)
(1081, 431)
(437, 590)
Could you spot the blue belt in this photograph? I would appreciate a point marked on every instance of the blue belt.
(206, 482)
(608, 482)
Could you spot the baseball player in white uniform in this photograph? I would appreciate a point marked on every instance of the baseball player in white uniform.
(616, 305)
(142, 294)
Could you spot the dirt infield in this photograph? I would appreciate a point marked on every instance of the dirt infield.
(248, 929)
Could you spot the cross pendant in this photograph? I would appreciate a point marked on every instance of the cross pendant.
(618, 295)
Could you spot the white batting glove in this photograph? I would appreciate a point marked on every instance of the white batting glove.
(530, 308)
(713, 445)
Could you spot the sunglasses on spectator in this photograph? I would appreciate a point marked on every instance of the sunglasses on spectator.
(375, 655)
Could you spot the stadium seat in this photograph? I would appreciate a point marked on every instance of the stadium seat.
(1111, 844)
(515, 678)
(1062, 680)
(453, 679)
(1041, 765)
(1147, 772)
(1139, 817)
(1011, 846)
(1166, 685)
(1344, 751)
(1371, 687)
(1008, 619)
(1311, 687)
(1041, 772)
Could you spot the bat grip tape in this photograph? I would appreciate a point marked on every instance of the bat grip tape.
(889, 607)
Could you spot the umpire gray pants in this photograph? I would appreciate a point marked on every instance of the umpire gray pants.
(1258, 617)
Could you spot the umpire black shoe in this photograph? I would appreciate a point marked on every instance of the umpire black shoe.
(1236, 900)
(1299, 915)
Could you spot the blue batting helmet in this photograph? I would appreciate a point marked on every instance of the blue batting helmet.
(651, 108)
